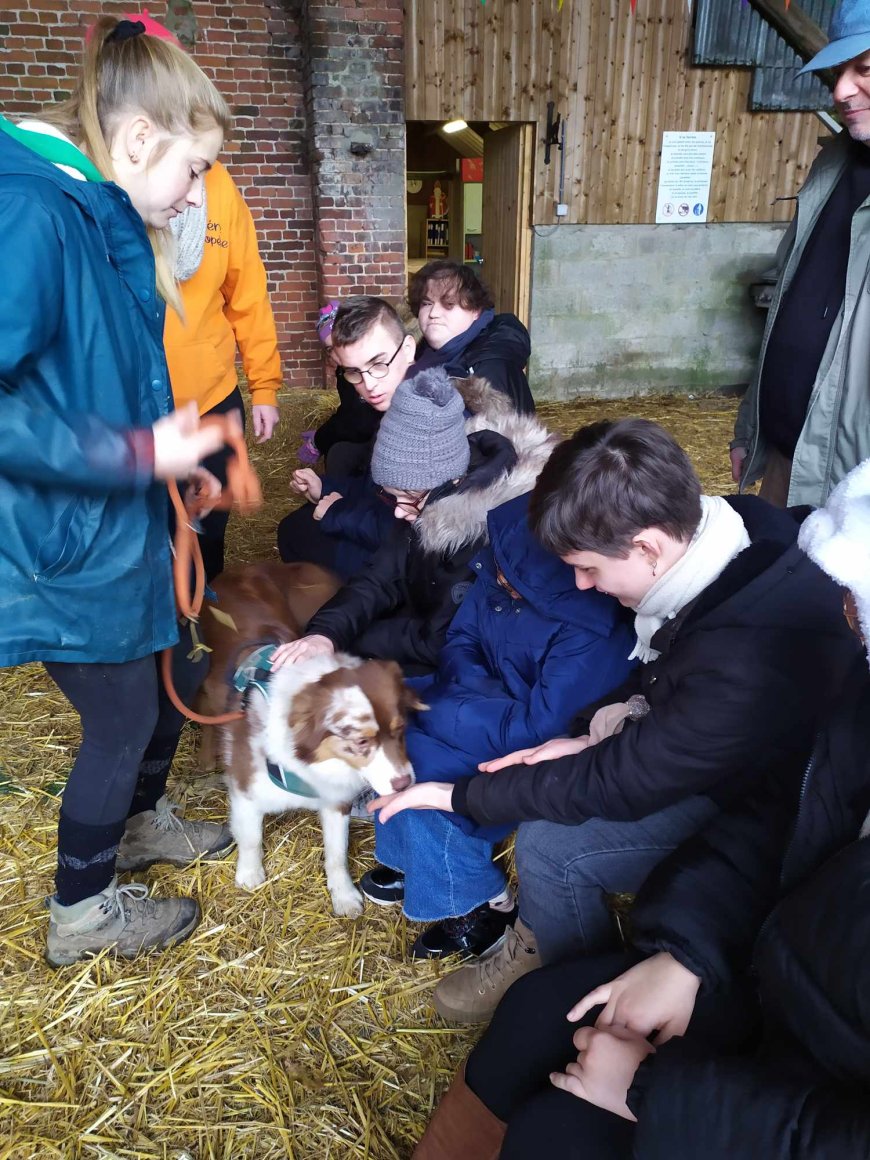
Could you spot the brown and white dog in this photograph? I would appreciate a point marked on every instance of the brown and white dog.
(329, 726)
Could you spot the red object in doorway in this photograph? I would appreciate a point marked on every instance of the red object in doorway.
(471, 168)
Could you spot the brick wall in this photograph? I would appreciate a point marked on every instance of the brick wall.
(289, 104)
(354, 78)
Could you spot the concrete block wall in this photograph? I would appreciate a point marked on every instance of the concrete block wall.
(302, 79)
(626, 310)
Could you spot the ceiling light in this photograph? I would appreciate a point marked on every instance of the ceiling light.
(454, 126)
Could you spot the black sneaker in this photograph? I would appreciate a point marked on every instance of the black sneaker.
(473, 935)
(383, 885)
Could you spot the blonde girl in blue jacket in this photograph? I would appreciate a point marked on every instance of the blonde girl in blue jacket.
(86, 195)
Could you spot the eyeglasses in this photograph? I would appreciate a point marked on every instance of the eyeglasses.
(413, 504)
(378, 370)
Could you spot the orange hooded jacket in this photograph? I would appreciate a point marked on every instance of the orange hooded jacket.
(226, 304)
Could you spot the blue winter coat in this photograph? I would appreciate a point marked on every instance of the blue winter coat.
(514, 672)
(84, 555)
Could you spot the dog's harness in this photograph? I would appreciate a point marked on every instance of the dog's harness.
(255, 672)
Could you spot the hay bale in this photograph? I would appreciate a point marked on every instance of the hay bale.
(277, 1030)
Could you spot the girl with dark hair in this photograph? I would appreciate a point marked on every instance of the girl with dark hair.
(462, 332)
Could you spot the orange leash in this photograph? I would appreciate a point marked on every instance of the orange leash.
(242, 494)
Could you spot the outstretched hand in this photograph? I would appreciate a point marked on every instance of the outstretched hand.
(307, 483)
(605, 1068)
(425, 795)
(655, 995)
(558, 747)
(301, 650)
(325, 504)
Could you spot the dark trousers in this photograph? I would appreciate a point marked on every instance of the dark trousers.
(529, 1037)
(130, 732)
(214, 525)
(776, 479)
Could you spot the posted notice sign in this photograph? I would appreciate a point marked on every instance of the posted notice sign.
(684, 178)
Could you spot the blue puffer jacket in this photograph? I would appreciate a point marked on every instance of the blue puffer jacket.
(513, 672)
(84, 555)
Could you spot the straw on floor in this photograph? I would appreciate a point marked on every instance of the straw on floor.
(277, 1030)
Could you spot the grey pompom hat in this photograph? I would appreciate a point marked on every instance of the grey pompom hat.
(421, 443)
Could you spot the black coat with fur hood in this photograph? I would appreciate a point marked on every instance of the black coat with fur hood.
(400, 606)
(744, 674)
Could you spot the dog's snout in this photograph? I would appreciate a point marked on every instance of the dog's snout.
(400, 783)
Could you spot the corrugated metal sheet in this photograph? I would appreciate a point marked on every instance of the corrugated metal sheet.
(620, 78)
(730, 34)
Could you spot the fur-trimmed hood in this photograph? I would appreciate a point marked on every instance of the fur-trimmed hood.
(457, 517)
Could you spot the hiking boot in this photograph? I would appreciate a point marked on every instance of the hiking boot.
(159, 836)
(121, 918)
(471, 994)
(473, 935)
(382, 885)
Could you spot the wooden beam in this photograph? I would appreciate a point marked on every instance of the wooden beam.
(793, 25)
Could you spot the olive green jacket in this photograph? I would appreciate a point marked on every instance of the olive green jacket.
(836, 433)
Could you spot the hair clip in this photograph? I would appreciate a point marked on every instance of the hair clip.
(125, 30)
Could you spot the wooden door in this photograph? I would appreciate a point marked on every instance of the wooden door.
(507, 202)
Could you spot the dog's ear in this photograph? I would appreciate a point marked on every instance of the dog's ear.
(410, 701)
(306, 721)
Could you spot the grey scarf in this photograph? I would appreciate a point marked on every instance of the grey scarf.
(188, 230)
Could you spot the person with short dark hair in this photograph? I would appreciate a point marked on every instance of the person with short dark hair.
(610, 479)
(344, 439)
(462, 332)
(357, 316)
(373, 355)
(742, 644)
(747, 969)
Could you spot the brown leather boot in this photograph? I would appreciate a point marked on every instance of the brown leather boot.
(461, 1128)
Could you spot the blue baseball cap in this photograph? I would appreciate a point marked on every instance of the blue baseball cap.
(848, 36)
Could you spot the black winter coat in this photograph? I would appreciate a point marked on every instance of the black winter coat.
(805, 1093)
(744, 674)
(499, 354)
(400, 606)
(353, 422)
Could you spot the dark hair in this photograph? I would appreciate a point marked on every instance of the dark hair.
(356, 317)
(609, 481)
(451, 280)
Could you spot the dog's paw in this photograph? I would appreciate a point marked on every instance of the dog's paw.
(347, 903)
(250, 877)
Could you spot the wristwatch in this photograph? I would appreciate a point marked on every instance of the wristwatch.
(638, 707)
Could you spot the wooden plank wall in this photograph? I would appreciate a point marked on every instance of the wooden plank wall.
(621, 79)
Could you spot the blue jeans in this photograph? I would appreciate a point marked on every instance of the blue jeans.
(447, 871)
(565, 872)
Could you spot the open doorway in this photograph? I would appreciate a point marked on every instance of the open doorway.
(469, 196)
